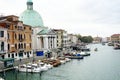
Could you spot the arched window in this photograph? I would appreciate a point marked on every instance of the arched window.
(15, 36)
(24, 36)
(30, 45)
(8, 46)
(8, 36)
(25, 45)
(19, 37)
(2, 46)
(19, 46)
(15, 46)
(30, 37)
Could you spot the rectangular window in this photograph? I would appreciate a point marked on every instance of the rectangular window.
(1, 33)
(2, 46)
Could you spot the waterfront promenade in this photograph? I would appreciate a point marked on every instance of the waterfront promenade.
(18, 62)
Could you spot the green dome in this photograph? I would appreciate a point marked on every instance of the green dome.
(30, 16)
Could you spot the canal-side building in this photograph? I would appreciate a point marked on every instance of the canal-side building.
(72, 39)
(3, 41)
(59, 39)
(115, 38)
(65, 39)
(62, 38)
(43, 38)
(18, 37)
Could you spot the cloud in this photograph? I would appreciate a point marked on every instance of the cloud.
(104, 11)
(87, 17)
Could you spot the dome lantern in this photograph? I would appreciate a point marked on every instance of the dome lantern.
(30, 16)
(30, 5)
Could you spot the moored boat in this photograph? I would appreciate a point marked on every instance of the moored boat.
(116, 46)
(29, 68)
(43, 66)
(75, 57)
(1, 79)
(95, 49)
(84, 54)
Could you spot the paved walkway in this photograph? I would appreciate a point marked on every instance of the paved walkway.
(18, 62)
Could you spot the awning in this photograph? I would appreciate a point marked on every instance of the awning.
(48, 52)
(2, 52)
(8, 62)
(6, 59)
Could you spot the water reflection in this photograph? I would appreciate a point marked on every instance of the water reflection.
(101, 65)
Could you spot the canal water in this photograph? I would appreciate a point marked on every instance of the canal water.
(103, 64)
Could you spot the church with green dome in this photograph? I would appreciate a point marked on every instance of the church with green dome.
(31, 17)
(43, 38)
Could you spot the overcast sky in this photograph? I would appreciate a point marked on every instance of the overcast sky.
(85, 17)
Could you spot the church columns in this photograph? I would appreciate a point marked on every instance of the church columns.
(38, 43)
(46, 42)
(52, 42)
(55, 42)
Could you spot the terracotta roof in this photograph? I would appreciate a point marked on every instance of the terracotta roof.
(115, 35)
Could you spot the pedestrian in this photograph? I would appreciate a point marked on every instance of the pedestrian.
(20, 59)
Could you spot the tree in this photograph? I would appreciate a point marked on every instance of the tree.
(86, 39)
(79, 37)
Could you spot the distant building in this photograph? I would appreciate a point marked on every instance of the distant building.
(108, 39)
(17, 38)
(72, 38)
(97, 40)
(115, 38)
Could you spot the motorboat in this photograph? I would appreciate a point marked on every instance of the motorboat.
(84, 54)
(75, 57)
(43, 66)
(85, 49)
(116, 46)
(1, 79)
(110, 44)
(29, 68)
(67, 59)
(49, 66)
(63, 61)
(95, 49)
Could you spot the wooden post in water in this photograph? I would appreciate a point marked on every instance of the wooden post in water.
(4, 74)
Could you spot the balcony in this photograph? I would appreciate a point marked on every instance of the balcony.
(21, 50)
(2, 52)
(3, 39)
